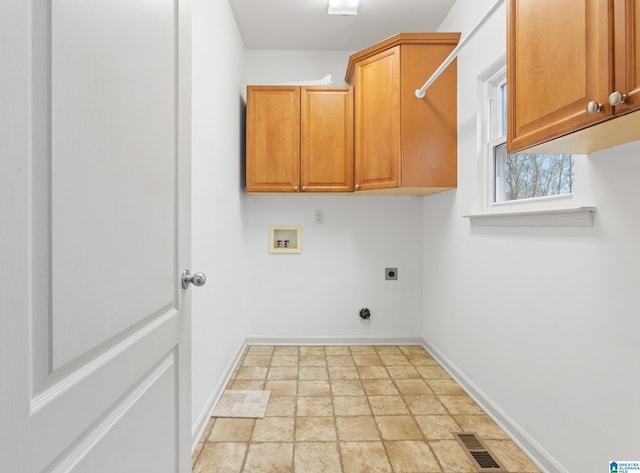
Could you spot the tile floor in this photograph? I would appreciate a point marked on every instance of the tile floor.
(350, 409)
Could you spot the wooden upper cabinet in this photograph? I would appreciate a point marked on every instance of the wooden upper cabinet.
(326, 163)
(299, 139)
(403, 144)
(564, 60)
(273, 138)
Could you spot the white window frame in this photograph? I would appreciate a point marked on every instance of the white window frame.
(492, 133)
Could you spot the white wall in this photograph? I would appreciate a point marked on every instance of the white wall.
(318, 294)
(218, 200)
(544, 322)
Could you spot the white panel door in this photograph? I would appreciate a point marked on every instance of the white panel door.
(94, 235)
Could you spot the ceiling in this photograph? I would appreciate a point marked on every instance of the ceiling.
(305, 24)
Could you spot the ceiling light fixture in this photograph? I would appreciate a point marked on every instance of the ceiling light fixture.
(343, 7)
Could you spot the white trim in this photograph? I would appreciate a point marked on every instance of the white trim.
(332, 340)
(567, 217)
(520, 437)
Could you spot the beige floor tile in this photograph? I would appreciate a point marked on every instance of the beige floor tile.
(357, 428)
(351, 406)
(412, 349)
(364, 457)
(315, 429)
(252, 372)
(314, 406)
(208, 429)
(315, 457)
(312, 351)
(438, 427)
(388, 350)
(273, 429)
(337, 350)
(269, 458)
(481, 425)
(399, 428)
(255, 360)
(403, 372)
(312, 360)
(378, 387)
(314, 388)
(460, 405)
(362, 350)
(451, 457)
(394, 360)
(346, 387)
(259, 350)
(281, 406)
(387, 405)
(247, 385)
(367, 360)
(430, 372)
(373, 372)
(282, 387)
(445, 386)
(421, 360)
(411, 457)
(340, 360)
(196, 453)
(409, 387)
(312, 373)
(424, 405)
(283, 373)
(221, 458)
(343, 372)
(286, 350)
(284, 360)
(232, 430)
(511, 457)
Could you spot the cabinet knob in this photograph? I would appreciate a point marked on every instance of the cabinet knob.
(295, 188)
(617, 98)
(357, 186)
(304, 188)
(593, 107)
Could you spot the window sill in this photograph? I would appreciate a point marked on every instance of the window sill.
(567, 217)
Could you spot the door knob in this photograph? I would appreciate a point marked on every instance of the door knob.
(197, 279)
(617, 98)
(593, 107)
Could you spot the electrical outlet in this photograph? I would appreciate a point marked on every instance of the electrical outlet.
(319, 216)
(391, 274)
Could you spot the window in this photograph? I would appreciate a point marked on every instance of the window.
(517, 176)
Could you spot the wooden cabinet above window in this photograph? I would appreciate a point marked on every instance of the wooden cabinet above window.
(573, 75)
(299, 139)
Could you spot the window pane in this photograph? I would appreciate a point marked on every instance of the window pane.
(524, 176)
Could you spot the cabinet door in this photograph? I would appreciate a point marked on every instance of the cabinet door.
(627, 53)
(377, 128)
(273, 139)
(559, 59)
(326, 162)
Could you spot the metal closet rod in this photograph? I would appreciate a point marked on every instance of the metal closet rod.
(421, 91)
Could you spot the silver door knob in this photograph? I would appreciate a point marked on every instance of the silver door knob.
(617, 98)
(295, 188)
(304, 188)
(593, 107)
(357, 186)
(197, 279)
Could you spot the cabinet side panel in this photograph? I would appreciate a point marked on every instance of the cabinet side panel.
(326, 163)
(273, 138)
(377, 112)
(429, 125)
(559, 59)
(627, 53)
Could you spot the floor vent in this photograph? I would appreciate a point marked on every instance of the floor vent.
(478, 453)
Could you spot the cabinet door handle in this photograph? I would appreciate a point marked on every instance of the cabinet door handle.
(304, 188)
(357, 186)
(617, 98)
(593, 107)
(295, 188)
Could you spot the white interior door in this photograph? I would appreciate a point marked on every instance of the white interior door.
(94, 202)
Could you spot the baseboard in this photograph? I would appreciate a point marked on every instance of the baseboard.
(332, 340)
(197, 429)
(527, 444)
